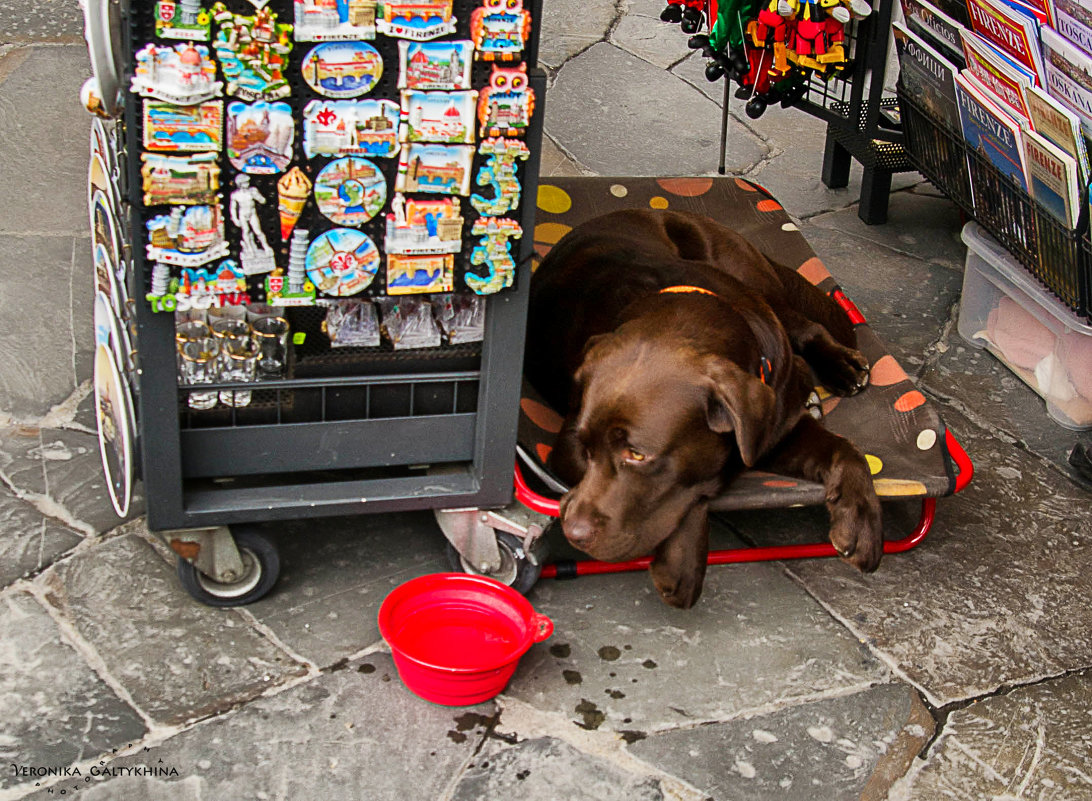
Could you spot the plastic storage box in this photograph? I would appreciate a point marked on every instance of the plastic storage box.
(1006, 311)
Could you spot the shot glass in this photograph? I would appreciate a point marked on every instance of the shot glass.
(271, 334)
(230, 329)
(186, 330)
(200, 365)
(225, 313)
(238, 364)
(256, 311)
(189, 316)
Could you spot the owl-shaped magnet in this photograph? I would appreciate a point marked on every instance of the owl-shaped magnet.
(499, 29)
(506, 105)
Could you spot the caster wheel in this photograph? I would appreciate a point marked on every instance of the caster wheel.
(261, 567)
(516, 569)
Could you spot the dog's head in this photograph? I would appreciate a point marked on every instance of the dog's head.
(661, 424)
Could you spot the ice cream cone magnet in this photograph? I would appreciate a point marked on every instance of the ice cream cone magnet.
(292, 192)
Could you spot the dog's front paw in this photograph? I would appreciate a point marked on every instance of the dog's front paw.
(676, 590)
(856, 524)
(842, 370)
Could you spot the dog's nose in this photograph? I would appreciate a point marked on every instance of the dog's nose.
(579, 531)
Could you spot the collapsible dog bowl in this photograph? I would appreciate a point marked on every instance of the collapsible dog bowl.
(456, 638)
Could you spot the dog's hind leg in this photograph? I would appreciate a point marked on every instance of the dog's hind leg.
(841, 369)
(812, 452)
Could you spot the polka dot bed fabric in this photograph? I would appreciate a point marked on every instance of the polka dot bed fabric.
(896, 427)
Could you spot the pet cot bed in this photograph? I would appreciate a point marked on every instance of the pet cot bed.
(913, 455)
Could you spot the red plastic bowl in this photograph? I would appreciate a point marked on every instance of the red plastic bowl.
(456, 638)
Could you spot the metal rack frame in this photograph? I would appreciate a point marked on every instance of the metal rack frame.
(216, 475)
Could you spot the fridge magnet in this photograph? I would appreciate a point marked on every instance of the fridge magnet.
(438, 169)
(191, 180)
(182, 74)
(413, 275)
(295, 288)
(499, 29)
(254, 251)
(342, 262)
(435, 65)
(173, 128)
(334, 20)
(420, 20)
(188, 236)
(253, 53)
(350, 190)
(506, 105)
(224, 285)
(499, 173)
(113, 413)
(438, 117)
(351, 128)
(342, 69)
(293, 189)
(260, 136)
(495, 252)
(182, 19)
(420, 226)
(163, 288)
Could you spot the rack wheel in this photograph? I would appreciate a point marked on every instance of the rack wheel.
(516, 568)
(261, 563)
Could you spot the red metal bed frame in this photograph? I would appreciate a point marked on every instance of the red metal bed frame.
(550, 506)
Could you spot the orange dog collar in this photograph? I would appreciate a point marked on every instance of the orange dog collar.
(685, 289)
(765, 368)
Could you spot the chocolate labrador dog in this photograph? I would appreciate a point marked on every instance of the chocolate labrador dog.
(681, 356)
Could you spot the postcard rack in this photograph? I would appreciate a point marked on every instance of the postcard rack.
(1058, 257)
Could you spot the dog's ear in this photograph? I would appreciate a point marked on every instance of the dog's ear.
(742, 404)
(588, 357)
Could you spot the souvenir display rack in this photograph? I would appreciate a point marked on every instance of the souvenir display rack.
(1059, 257)
(345, 430)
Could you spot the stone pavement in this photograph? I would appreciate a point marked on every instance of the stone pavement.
(960, 670)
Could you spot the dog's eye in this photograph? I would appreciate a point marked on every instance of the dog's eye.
(633, 455)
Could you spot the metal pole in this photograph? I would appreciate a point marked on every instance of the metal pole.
(724, 125)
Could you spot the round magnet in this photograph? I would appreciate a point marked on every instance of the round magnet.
(113, 412)
(342, 262)
(350, 190)
(342, 69)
